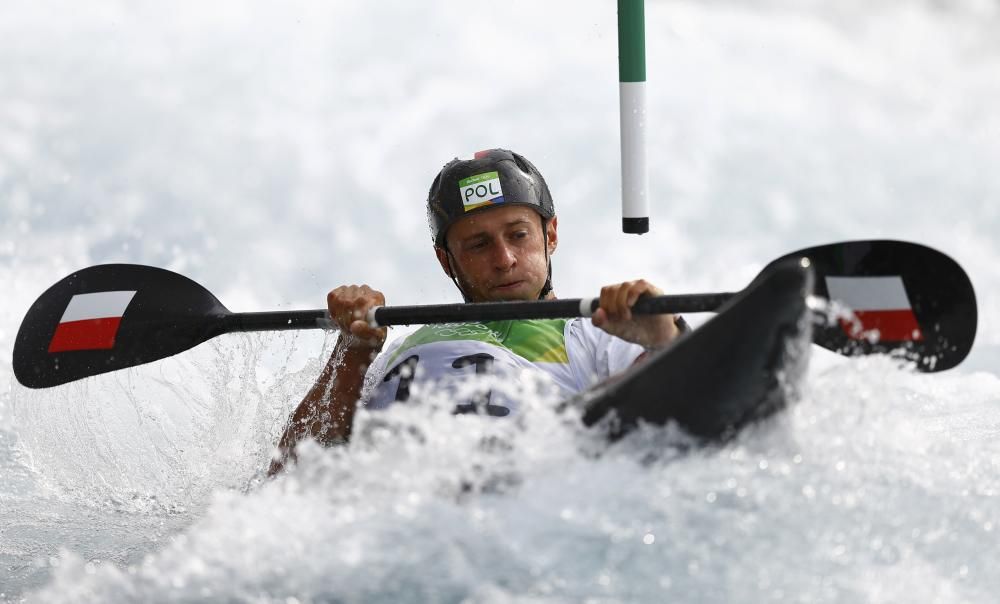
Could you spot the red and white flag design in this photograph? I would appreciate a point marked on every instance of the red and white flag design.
(91, 321)
(880, 303)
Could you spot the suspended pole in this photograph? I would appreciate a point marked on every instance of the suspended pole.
(632, 102)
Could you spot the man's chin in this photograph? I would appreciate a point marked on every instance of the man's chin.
(521, 292)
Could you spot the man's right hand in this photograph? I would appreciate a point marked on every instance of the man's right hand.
(348, 306)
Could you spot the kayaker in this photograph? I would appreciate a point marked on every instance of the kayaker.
(494, 230)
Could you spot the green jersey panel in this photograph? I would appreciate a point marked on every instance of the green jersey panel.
(537, 340)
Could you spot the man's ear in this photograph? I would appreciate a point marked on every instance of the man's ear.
(442, 257)
(551, 231)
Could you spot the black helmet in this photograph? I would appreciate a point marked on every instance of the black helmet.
(492, 177)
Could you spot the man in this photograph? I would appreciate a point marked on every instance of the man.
(494, 229)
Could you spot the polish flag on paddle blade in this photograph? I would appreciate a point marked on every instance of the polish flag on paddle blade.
(91, 321)
(880, 304)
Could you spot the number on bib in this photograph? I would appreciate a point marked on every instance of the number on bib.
(405, 370)
(483, 363)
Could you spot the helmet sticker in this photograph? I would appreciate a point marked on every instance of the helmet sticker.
(480, 190)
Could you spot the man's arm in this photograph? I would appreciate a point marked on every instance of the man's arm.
(326, 414)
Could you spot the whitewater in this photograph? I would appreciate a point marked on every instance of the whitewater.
(273, 152)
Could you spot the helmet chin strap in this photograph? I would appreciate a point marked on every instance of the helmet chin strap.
(452, 272)
(546, 287)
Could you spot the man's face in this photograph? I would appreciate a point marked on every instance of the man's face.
(500, 253)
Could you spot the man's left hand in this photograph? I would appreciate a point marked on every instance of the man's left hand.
(615, 315)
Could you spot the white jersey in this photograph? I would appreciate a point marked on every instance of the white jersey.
(570, 354)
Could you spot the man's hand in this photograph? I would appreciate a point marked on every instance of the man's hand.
(615, 315)
(348, 306)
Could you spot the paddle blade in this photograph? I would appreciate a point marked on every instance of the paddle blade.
(906, 297)
(109, 317)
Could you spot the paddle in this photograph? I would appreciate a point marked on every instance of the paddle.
(113, 316)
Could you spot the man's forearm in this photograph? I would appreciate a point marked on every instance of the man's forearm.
(326, 414)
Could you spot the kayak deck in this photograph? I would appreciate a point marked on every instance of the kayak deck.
(739, 367)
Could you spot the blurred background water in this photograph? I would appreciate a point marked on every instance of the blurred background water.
(271, 152)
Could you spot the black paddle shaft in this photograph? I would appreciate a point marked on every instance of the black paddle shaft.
(428, 314)
(542, 309)
(275, 321)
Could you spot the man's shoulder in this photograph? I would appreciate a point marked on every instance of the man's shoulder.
(582, 328)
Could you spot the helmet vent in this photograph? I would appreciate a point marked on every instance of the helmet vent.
(524, 164)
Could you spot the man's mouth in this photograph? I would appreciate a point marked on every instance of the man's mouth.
(508, 285)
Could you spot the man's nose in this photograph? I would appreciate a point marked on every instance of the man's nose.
(504, 257)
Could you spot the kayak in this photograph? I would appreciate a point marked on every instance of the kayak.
(739, 367)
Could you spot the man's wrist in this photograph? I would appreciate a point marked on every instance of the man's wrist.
(682, 328)
(351, 341)
(350, 346)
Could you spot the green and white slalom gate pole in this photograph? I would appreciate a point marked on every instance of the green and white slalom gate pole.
(632, 95)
